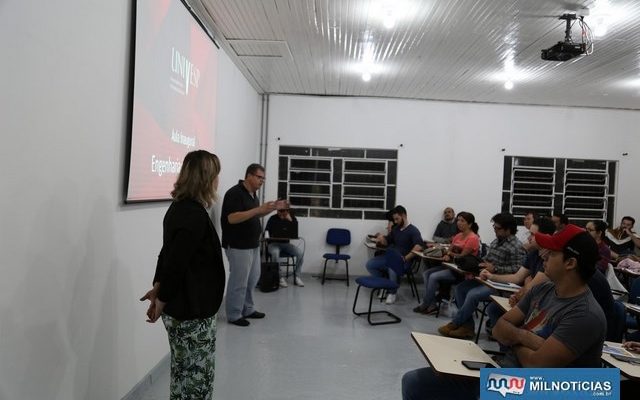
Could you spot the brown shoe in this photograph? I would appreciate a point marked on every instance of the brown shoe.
(465, 331)
(446, 329)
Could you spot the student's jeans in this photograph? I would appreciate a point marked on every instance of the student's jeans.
(468, 295)
(244, 273)
(424, 384)
(433, 278)
(378, 267)
(289, 249)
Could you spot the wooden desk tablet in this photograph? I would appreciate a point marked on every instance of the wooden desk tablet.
(499, 286)
(631, 371)
(421, 255)
(503, 302)
(445, 355)
(454, 268)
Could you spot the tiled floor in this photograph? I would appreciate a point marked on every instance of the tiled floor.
(311, 346)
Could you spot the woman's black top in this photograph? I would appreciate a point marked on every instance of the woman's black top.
(190, 268)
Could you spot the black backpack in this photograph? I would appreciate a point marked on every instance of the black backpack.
(469, 263)
(269, 276)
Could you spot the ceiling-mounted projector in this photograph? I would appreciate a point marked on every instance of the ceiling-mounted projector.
(566, 50)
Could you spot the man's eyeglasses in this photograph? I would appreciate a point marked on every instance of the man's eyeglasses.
(496, 227)
(260, 177)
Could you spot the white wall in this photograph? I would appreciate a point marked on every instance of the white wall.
(449, 153)
(74, 261)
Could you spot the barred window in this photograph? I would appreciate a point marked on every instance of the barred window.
(338, 182)
(583, 190)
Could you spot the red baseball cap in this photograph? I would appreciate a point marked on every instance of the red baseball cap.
(558, 240)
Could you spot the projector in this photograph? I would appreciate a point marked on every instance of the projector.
(564, 51)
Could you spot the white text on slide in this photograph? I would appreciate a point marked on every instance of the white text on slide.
(168, 166)
(178, 137)
(188, 72)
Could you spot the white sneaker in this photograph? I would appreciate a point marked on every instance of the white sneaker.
(283, 283)
(298, 282)
(391, 298)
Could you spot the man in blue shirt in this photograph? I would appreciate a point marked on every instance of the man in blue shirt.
(404, 237)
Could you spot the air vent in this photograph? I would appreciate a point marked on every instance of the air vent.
(260, 48)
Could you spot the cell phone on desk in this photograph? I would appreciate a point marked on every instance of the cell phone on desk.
(477, 365)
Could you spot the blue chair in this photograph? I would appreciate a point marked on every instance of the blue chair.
(394, 261)
(337, 237)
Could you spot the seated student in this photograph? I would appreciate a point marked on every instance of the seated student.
(405, 238)
(560, 220)
(505, 256)
(524, 230)
(446, 228)
(597, 230)
(533, 264)
(284, 217)
(557, 324)
(622, 240)
(464, 243)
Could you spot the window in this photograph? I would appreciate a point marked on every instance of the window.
(338, 182)
(583, 190)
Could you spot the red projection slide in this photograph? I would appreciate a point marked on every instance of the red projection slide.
(174, 96)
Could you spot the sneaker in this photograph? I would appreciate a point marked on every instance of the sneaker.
(391, 298)
(382, 294)
(298, 282)
(444, 330)
(465, 331)
(283, 283)
(240, 322)
(256, 315)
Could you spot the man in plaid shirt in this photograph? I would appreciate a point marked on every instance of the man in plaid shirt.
(505, 256)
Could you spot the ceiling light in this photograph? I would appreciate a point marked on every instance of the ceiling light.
(366, 76)
(508, 85)
(389, 22)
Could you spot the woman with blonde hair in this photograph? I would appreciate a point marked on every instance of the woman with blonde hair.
(189, 280)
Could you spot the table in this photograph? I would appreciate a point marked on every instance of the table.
(631, 371)
(445, 355)
(503, 302)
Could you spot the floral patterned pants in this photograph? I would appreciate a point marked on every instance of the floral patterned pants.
(193, 345)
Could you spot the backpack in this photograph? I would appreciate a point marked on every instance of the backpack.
(469, 263)
(269, 276)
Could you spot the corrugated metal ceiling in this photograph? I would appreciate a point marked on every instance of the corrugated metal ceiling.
(459, 50)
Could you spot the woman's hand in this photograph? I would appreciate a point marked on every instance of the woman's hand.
(156, 306)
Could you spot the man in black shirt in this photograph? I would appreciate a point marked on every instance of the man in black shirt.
(284, 221)
(241, 229)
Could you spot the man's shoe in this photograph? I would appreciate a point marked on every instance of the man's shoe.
(420, 309)
(391, 298)
(444, 330)
(465, 331)
(298, 282)
(255, 315)
(283, 283)
(240, 322)
(426, 310)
